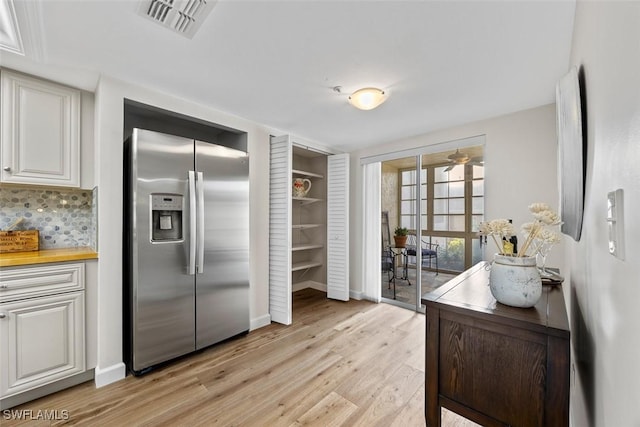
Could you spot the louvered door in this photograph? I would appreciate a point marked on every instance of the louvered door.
(307, 227)
(280, 230)
(338, 227)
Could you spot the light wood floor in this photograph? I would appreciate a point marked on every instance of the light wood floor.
(338, 364)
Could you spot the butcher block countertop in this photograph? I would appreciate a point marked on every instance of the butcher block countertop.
(44, 256)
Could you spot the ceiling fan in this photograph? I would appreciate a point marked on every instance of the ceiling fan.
(459, 158)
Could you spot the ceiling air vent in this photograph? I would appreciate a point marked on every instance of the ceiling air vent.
(181, 16)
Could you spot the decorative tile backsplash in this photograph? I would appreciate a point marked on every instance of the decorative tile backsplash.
(65, 218)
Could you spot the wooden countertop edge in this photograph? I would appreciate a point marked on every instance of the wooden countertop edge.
(47, 256)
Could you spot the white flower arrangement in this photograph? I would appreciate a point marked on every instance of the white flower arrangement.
(537, 234)
(498, 229)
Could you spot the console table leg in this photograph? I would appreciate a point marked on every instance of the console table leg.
(432, 404)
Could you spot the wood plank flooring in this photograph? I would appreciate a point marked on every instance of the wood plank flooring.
(339, 364)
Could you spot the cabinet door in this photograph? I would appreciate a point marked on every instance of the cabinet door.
(338, 227)
(41, 341)
(280, 230)
(40, 132)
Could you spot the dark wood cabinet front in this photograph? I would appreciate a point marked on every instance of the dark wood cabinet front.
(494, 364)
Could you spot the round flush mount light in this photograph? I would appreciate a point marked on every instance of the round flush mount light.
(367, 98)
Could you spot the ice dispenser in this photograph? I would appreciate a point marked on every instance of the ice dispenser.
(166, 212)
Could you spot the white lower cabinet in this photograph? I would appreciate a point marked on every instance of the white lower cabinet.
(42, 339)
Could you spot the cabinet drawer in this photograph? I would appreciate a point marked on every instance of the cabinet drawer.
(28, 282)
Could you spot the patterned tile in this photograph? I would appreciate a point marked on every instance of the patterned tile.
(65, 218)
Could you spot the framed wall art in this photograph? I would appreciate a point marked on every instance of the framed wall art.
(571, 153)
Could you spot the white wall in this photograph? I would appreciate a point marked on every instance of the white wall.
(109, 116)
(520, 159)
(605, 291)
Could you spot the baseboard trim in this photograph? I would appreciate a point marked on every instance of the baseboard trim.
(322, 287)
(357, 295)
(110, 374)
(260, 322)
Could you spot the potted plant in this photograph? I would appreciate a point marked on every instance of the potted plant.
(400, 236)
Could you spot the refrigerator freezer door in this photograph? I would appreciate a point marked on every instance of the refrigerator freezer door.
(222, 289)
(162, 312)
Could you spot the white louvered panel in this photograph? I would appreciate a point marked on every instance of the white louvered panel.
(280, 230)
(338, 227)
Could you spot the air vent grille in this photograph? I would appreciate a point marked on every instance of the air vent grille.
(181, 16)
(159, 10)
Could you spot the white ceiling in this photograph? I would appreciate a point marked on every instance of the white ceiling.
(442, 63)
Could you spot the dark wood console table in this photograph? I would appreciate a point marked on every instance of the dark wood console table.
(494, 364)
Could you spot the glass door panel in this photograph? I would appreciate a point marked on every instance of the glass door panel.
(399, 202)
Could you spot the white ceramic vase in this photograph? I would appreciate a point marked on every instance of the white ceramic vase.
(515, 281)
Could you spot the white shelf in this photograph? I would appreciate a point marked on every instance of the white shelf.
(304, 226)
(306, 173)
(305, 265)
(306, 247)
(306, 200)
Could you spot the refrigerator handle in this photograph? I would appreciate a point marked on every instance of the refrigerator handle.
(192, 222)
(200, 227)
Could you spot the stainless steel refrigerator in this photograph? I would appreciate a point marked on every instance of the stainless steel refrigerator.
(186, 247)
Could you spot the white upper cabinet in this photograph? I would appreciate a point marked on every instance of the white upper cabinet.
(40, 139)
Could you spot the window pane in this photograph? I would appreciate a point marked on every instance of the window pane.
(478, 205)
(408, 177)
(456, 189)
(441, 175)
(478, 187)
(450, 253)
(408, 192)
(475, 222)
(457, 173)
(424, 222)
(456, 206)
(423, 175)
(407, 221)
(478, 172)
(440, 190)
(456, 223)
(423, 191)
(423, 207)
(408, 207)
(440, 222)
(441, 206)
(476, 251)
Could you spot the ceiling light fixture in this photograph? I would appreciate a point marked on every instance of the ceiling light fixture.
(367, 98)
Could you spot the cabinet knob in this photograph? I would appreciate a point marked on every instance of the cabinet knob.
(7, 168)
(3, 315)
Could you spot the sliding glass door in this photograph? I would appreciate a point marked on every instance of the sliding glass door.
(439, 203)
